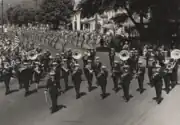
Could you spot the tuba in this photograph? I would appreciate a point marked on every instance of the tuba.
(77, 54)
(175, 54)
(124, 55)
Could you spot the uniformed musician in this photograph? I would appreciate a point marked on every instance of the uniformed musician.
(166, 76)
(77, 79)
(57, 76)
(102, 80)
(37, 74)
(88, 71)
(52, 89)
(125, 81)
(65, 73)
(140, 76)
(151, 64)
(157, 81)
(97, 66)
(112, 56)
(116, 72)
(85, 59)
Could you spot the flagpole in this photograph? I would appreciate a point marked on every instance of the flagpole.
(2, 14)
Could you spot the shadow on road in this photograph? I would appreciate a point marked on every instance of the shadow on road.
(82, 94)
(105, 96)
(13, 91)
(102, 49)
(69, 88)
(31, 92)
(93, 88)
(59, 107)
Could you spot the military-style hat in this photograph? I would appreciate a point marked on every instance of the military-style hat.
(116, 61)
(97, 57)
(57, 54)
(89, 61)
(76, 65)
(126, 66)
(103, 67)
(52, 73)
(54, 63)
(157, 66)
(140, 61)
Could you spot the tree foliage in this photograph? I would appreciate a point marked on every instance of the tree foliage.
(49, 11)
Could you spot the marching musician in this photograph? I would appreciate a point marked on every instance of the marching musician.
(157, 82)
(116, 72)
(57, 76)
(65, 73)
(173, 72)
(92, 54)
(112, 56)
(125, 81)
(52, 89)
(88, 71)
(167, 75)
(140, 76)
(151, 64)
(102, 80)
(85, 59)
(76, 78)
(6, 75)
(37, 74)
(97, 66)
(69, 58)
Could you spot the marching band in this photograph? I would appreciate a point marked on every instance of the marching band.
(35, 64)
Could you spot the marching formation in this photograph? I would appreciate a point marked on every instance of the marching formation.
(29, 63)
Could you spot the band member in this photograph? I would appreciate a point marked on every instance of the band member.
(125, 81)
(7, 73)
(166, 76)
(57, 76)
(150, 68)
(112, 56)
(92, 54)
(52, 88)
(65, 74)
(88, 71)
(85, 59)
(140, 76)
(157, 81)
(76, 78)
(25, 76)
(102, 80)
(37, 74)
(97, 66)
(173, 72)
(116, 75)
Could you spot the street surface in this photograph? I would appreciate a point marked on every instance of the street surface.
(90, 109)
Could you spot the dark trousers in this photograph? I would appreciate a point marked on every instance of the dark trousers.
(66, 79)
(158, 89)
(6, 82)
(140, 82)
(125, 87)
(54, 102)
(58, 84)
(103, 87)
(26, 85)
(77, 85)
(115, 81)
(167, 82)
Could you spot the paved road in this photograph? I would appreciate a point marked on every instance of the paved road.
(15, 109)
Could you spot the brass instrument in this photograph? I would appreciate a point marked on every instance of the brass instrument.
(124, 55)
(175, 54)
(77, 54)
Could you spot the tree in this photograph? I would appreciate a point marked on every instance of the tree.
(54, 11)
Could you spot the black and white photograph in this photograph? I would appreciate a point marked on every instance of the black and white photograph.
(89, 62)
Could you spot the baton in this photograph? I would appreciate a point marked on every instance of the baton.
(47, 99)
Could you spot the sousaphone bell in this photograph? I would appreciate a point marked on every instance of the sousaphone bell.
(175, 54)
(124, 55)
(77, 54)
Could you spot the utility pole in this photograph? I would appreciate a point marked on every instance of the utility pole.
(2, 14)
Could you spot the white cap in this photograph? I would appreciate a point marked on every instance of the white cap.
(103, 67)
(97, 57)
(77, 65)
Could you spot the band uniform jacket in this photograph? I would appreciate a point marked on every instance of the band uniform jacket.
(77, 76)
(58, 73)
(88, 72)
(116, 71)
(97, 68)
(102, 77)
(52, 88)
(126, 78)
(85, 60)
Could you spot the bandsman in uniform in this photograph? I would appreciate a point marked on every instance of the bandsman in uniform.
(85, 59)
(166, 76)
(65, 73)
(116, 73)
(140, 76)
(97, 66)
(37, 74)
(57, 76)
(112, 56)
(77, 79)
(102, 80)
(52, 89)
(125, 81)
(6, 75)
(88, 71)
(158, 83)
(151, 64)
